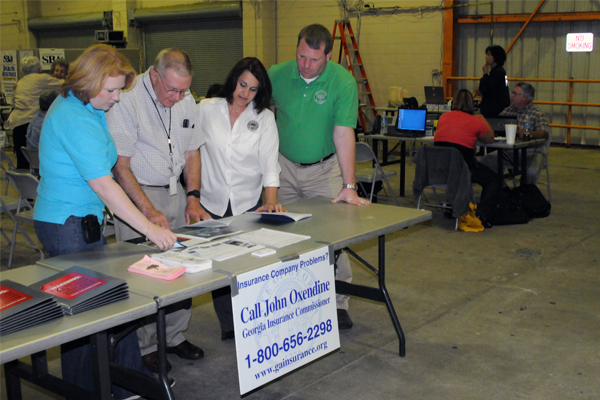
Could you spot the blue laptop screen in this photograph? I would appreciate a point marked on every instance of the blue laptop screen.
(411, 120)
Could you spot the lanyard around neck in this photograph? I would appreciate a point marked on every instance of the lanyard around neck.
(167, 132)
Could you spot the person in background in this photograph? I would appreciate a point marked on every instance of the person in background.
(26, 100)
(155, 131)
(317, 110)
(461, 129)
(35, 126)
(530, 120)
(60, 68)
(493, 85)
(213, 90)
(77, 154)
(239, 157)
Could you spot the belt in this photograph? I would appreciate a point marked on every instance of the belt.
(157, 186)
(317, 162)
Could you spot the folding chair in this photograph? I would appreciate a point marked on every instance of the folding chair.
(33, 157)
(10, 167)
(546, 166)
(372, 174)
(26, 186)
(9, 204)
(443, 168)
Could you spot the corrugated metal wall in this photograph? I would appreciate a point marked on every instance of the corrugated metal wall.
(540, 53)
(214, 47)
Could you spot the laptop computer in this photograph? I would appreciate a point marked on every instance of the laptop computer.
(411, 123)
(498, 123)
(434, 95)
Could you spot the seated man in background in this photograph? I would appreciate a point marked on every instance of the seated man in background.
(530, 119)
(35, 126)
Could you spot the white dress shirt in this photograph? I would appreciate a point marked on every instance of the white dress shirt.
(236, 162)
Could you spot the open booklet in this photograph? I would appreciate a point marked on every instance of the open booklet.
(204, 233)
(282, 216)
(223, 249)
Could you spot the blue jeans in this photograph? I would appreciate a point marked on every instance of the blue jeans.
(76, 356)
(60, 239)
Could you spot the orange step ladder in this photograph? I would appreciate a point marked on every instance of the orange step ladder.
(354, 64)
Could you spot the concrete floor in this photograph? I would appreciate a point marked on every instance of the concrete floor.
(509, 313)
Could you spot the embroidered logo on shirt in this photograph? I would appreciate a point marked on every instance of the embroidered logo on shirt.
(321, 97)
(252, 126)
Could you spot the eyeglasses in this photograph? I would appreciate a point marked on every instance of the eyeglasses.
(173, 92)
(517, 94)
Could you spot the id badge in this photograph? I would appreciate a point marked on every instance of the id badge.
(173, 185)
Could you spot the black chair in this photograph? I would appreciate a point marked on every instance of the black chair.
(443, 168)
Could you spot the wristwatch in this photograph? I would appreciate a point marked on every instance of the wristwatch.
(349, 186)
(195, 193)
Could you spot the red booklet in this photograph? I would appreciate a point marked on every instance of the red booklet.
(22, 307)
(10, 297)
(79, 289)
(72, 285)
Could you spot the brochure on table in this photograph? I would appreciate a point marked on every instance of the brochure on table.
(285, 317)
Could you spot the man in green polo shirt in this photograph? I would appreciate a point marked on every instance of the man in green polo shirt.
(317, 109)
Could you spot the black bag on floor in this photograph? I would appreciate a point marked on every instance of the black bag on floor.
(533, 200)
(510, 209)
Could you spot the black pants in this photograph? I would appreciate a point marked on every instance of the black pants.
(491, 187)
(20, 140)
(222, 297)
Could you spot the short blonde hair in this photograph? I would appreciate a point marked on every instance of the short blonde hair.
(89, 72)
(463, 101)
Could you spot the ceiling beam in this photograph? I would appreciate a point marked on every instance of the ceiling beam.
(525, 26)
(545, 17)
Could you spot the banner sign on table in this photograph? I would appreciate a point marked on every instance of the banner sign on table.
(48, 56)
(285, 316)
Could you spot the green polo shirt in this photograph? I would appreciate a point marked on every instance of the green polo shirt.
(307, 113)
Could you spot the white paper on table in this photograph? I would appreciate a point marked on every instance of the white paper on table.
(271, 237)
(223, 249)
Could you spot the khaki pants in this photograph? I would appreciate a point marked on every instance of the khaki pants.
(320, 180)
(178, 320)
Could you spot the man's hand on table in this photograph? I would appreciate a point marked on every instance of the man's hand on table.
(158, 218)
(193, 210)
(351, 197)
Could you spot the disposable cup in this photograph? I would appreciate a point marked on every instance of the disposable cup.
(511, 133)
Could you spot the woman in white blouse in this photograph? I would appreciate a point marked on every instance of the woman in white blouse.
(242, 144)
(240, 156)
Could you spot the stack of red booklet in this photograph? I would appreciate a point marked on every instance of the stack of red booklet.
(22, 307)
(79, 289)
